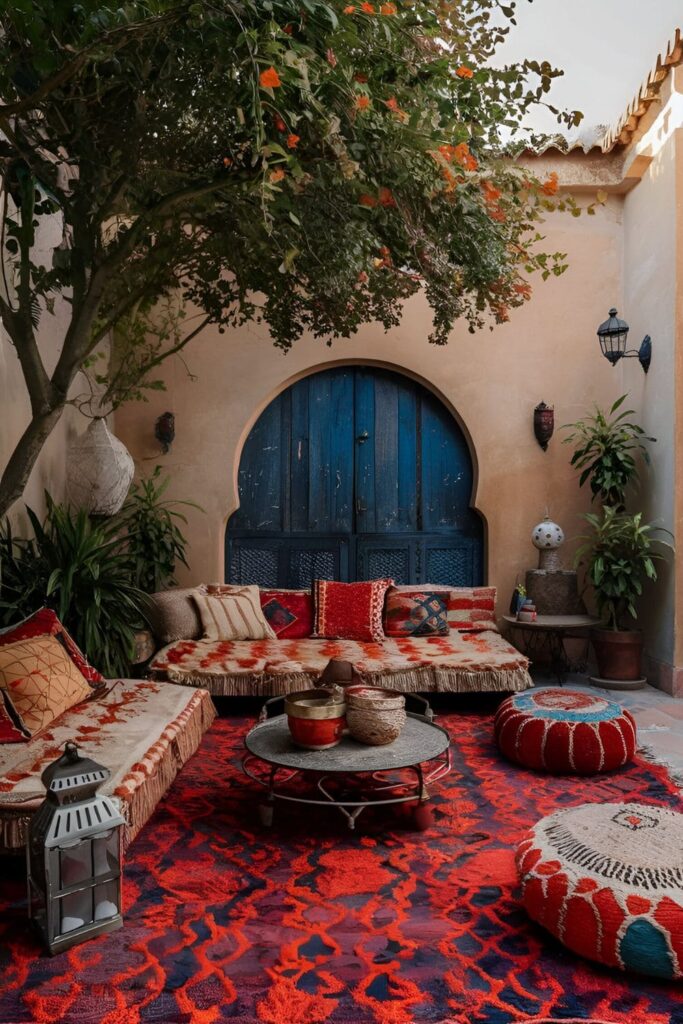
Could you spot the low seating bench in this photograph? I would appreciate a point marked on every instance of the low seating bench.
(462, 662)
(143, 731)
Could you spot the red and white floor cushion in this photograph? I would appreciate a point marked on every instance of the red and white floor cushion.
(607, 881)
(565, 731)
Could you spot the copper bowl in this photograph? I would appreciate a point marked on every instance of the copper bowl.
(316, 718)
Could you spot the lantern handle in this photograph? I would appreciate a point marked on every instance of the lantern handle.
(71, 752)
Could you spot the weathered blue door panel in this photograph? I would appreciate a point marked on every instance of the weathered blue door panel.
(354, 473)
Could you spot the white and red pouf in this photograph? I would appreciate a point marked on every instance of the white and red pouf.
(565, 732)
(607, 881)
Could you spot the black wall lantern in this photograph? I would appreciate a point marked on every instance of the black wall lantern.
(613, 334)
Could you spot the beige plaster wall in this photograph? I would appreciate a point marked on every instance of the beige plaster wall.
(492, 380)
(653, 221)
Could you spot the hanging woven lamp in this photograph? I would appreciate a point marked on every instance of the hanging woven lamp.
(99, 471)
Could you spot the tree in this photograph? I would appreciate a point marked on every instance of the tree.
(308, 163)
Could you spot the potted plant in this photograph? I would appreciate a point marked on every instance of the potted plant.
(606, 450)
(620, 552)
(619, 555)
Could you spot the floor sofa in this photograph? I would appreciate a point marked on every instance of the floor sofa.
(472, 658)
(143, 731)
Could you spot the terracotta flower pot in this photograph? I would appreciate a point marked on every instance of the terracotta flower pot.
(619, 653)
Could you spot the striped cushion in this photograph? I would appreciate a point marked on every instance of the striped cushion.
(234, 614)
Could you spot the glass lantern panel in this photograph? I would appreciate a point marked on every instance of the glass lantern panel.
(76, 863)
(76, 910)
(106, 900)
(106, 852)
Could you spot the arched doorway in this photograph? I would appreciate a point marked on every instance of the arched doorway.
(355, 472)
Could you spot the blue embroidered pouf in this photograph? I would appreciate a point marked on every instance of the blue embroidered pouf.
(607, 881)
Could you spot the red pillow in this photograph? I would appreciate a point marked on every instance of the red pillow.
(44, 622)
(350, 611)
(289, 612)
(12, 729)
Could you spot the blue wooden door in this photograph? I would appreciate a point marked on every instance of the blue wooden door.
(354, 473)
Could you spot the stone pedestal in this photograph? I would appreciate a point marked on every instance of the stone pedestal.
(554, 592)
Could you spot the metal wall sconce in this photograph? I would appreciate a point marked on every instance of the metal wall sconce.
(544, 424)
(613, 334)
(164, 431)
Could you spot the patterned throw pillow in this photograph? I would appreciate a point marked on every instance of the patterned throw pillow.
(416, 612)
(39, 681)
(173, 615)
(289, 612)
(45, 623)
(11, 728)
(470, 609)
(350, 611)
(233, 614)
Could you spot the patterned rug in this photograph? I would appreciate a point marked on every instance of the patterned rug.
(308, 923)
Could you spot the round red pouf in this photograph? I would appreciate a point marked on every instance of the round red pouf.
(565, 732)
(607, 881)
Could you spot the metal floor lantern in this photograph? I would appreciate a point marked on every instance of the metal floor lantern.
(74, 855)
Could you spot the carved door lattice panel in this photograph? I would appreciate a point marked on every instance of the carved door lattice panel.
(355, 473)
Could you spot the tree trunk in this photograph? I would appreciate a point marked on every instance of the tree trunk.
(23, 458)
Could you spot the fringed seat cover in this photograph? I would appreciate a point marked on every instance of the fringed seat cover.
(461, 662)
(143, 731)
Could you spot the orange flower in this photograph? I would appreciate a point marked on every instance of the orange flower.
(367, 200)
(362, 102)
(491, 193)
(350, 9)
(331, 58)
(367, 8)
(523, 288)
(392, 103)
(360, 77)
(279, 123)
(362, 277)
(269, 79)
(388, 9)
(462, 154)
(289, 29)
(227, 162)
(464, 72)
(277, 175)
(550, 187)
(386, 197)
(292, 141)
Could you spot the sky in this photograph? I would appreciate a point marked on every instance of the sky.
(606, 48)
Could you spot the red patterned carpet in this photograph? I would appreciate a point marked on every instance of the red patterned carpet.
(225, 921)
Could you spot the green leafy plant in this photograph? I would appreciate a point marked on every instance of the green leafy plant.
(607, 447)
(154, 540)
(619, 555)
(309, 164)
(80, 568)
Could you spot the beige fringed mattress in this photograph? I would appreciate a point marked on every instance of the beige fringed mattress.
(143, 731)
(462, 662)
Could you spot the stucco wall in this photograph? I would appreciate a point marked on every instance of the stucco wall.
(492, 380)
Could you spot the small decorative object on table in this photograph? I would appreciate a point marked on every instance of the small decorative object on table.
(527, 611)
(74, 855)
(316, 718)
(518, 598)
(374, 715)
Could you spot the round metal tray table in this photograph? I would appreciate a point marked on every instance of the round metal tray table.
(394, 774)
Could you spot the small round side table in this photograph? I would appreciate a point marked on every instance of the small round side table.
(549, 633)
